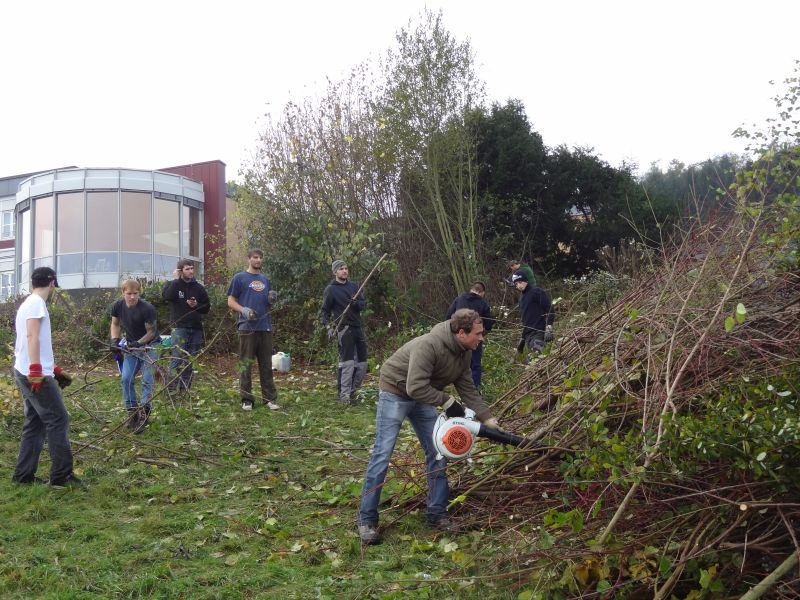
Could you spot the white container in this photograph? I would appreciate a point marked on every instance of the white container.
(281, 362)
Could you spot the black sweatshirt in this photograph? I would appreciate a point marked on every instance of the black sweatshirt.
(177, 292)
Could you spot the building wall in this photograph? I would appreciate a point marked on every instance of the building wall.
(212, 175)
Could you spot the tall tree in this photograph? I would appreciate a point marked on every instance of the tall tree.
(431, 86)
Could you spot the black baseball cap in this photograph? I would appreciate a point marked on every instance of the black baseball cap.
(42, 276)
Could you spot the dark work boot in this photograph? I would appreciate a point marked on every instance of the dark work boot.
(133, 419)
(144, 417)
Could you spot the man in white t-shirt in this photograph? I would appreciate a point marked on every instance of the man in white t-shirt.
(39, 380)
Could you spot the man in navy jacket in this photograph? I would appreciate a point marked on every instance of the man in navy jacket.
(474, 300)
(537, 314)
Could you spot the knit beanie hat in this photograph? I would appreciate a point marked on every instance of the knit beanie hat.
(336, 265)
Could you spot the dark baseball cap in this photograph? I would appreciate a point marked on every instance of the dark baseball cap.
(42, 276)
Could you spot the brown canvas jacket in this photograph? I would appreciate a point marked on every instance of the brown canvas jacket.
(423, 367)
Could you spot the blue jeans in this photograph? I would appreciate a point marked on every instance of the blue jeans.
(133, 361)
(185, 344)
(392, 411)
(45, 416)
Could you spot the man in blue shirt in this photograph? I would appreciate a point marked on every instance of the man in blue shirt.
(250, 295)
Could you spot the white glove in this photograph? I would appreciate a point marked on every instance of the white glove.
(548, 333)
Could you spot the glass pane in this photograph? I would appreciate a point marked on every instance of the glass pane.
(101, 221)
(44, 261)
(25, 272)
(25, 237)
(166, 227)
(70, 223)
(70, 263)
(101, 262)
(191, 232)
(43, 222)
(135, 222)
(164, 265)
(7, 225)
(135, 263)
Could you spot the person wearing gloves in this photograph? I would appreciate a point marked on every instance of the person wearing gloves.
(537, 314)
(338, 295)
(411, 384)
(474, 299)
(138, 318)
(250, 295)
(188, 302)
(40, 382)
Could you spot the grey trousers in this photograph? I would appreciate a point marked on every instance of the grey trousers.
(45, 417)
(352, 362)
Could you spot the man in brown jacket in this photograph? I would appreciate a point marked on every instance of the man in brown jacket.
(412, 381)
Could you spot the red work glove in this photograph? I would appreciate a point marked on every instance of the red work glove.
(35, 377)
(62, 378)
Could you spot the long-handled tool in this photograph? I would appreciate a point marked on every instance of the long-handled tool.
(454, 437)
(340, 319)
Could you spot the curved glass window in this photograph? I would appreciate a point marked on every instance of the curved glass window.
(69, 238)
(191, 232)
(135, 220)
(136, 264)
(165, 227)
(102, 221)
(45, 231)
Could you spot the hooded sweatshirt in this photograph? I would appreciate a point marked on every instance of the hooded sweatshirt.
(423, 367)
(177, 292)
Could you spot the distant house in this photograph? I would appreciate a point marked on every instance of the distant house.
(99, 226)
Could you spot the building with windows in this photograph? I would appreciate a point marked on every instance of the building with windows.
(97, 227)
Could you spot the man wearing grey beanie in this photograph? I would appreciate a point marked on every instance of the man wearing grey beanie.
(345, 324)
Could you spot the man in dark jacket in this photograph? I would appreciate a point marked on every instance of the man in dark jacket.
(339, 294)
(474, 300)
(537, 314)
(412, 381)
(188, 302)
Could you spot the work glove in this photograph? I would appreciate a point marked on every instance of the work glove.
(548, 333)
(453, 408)
(135, 344)
(272, 296)
(248, 313)
(35, 377)
(331, 332)
(492, 423)
(114, 346)
(62, 378)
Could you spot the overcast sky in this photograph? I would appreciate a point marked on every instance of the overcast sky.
(153, 84)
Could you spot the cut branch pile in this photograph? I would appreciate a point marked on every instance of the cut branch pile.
(624, 497)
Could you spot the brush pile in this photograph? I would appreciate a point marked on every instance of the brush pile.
(671, 431)
(672, 422)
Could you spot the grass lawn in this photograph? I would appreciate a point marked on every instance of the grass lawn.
(214, 502)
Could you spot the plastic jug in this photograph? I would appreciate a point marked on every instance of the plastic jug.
(281, 362)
